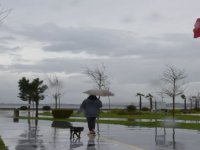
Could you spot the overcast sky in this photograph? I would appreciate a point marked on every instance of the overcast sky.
(135, 39)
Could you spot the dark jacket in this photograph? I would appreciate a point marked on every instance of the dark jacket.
(91, 107)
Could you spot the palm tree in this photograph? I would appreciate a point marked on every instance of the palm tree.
(150, 100)
(140, 100)
(185, 106)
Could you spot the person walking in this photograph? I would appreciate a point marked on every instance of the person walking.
(91, 107)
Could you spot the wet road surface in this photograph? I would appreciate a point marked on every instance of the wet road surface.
(33, 135)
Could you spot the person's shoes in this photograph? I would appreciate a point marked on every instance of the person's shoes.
(92, 132)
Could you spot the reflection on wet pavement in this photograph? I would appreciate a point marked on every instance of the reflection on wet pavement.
(47, 135)
(61, 124)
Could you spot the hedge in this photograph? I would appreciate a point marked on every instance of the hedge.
(23, 108)
(62, 113)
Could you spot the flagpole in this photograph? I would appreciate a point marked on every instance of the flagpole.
(98, 122)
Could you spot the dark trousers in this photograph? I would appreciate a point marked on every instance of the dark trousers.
(91, 122)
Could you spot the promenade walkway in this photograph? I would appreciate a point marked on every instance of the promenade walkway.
(26, 135)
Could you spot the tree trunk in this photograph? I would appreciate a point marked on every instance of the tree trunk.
(29, 108)
(173, 112)
(185, 107)
(36, 107)
(151, 105)
(196, 105)
(56, 102)
(140, 103)
(59, 101)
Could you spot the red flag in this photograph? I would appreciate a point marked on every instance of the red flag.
(196, 29)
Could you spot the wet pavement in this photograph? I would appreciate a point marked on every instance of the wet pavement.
(44, 135)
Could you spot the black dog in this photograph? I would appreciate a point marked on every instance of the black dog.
(75, 131)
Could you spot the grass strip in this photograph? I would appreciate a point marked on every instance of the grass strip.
(193, 126)
(138, 116)
(2, 145)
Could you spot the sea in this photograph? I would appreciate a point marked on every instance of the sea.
(105, 106)
(70, 106)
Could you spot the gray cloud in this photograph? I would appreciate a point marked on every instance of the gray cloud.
(49, 66)
(10, 49)
(92, 40)
(5, 39)
(138, 38)
(108, 42)
(155, 52)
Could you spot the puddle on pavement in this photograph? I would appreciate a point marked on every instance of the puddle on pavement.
(48, 135)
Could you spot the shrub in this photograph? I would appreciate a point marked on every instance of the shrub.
(131, 108)
(145, 109)
(23, 108)
(46, 108)
(62, 113)
(196, 110)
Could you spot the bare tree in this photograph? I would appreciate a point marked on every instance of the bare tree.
(4, 13)
(98, 76)
(174, 85)
(55, 87)
(162, 95)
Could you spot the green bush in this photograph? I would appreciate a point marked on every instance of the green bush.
(46, 108)
(145, 109)
(23, 108)
(62, 113)
(196, 110)
(131, 108)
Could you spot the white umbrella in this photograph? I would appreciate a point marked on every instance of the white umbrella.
(99, 92)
